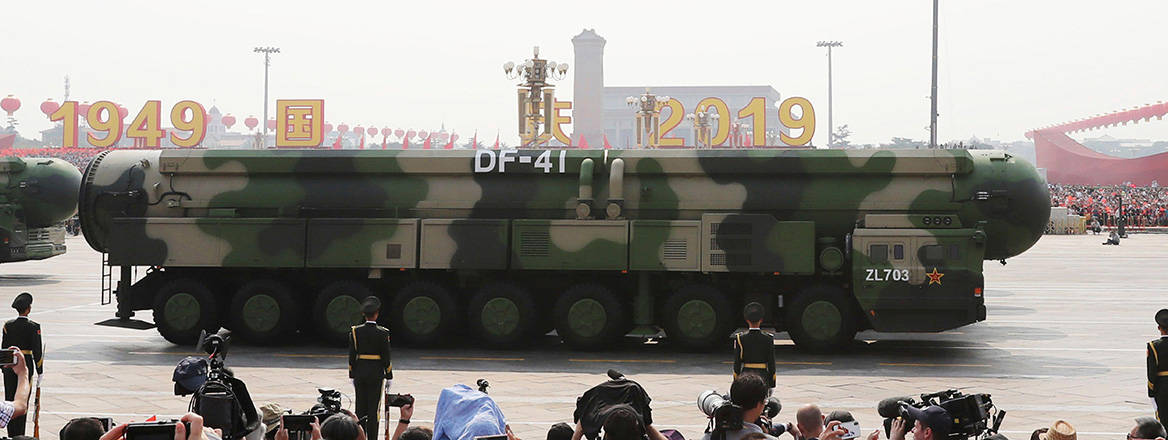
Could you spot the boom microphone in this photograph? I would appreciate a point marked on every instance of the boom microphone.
(890, 407)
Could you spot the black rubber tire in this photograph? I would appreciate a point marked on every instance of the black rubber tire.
(197, 295)
(438, 329)
(524, 306)
(681, 331)
(287, 311)
(812, 336)
(615, 322)
(337, 333)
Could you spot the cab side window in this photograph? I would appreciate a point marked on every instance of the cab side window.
(898, 252)
(878, 253)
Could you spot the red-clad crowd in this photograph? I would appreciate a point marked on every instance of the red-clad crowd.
(76, 156)
(1142, 205)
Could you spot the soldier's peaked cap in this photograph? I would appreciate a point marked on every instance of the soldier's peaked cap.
(753, 312)
(371, 305)
(24, 300)
(1162, 318)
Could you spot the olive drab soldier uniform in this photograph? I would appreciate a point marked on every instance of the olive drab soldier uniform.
(26, 334)
(369, 364)
(1158, 367)
(754, 349)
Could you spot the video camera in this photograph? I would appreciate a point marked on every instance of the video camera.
(974, 415)
(222, 399)
(594, 406)
(327, 404)
(725, 416)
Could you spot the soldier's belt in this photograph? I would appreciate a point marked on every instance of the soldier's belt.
(28, 352)
(369, 357)
(760, 366)
(1162, 373)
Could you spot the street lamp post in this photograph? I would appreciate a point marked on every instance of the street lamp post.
(830, 127)
(267, 51)
(647, 112)
(535, 91)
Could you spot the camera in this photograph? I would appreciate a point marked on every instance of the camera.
(726, 416)
(399, 400)
(483, 385)
(327, 404)
(974, 415)
(223, 399)
(163, 430)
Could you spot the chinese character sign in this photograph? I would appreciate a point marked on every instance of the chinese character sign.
(300, 122)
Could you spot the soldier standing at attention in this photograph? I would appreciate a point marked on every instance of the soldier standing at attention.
(369, 364)
(26, 334)
(754, 349)
(1158, 369)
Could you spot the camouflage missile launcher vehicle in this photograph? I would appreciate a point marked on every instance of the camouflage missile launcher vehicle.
(37, 195)
(507, 245)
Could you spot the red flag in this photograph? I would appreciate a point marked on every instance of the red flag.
(153, 418)
(337, 144)
(606, 145)
(384, 142)
(362, 146)
(406, 142)
(496, 141)
(450, 145)
(474, 140)
(583, 143)
(426, 145)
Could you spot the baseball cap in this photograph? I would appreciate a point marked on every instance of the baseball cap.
(191, 373)
(271, 415)
(935, 417)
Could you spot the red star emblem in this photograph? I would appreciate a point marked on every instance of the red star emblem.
(934, 277)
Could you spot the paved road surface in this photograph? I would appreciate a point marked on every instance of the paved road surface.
(1064, 339)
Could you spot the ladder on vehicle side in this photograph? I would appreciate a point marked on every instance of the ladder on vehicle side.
(107, 281)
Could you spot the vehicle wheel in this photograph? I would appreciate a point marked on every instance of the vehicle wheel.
(424, 314)
(183, 308)
(264, 311)
(589, 317)
(337, 309)
(698, 317)
(502, 315)
(822, 319)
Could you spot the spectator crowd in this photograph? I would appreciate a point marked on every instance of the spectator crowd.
(1141, 205)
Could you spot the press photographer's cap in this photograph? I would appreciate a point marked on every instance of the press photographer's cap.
(935, 417)
(271, 415)
(1161, 317)
(840, 416)
(753, 312)
(24, 300)
(371, 305)
(1060, 430)
(191, 372)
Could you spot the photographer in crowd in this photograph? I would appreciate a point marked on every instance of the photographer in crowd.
(748, 393)
(1147, 428)
(18, 406)
(932, 423)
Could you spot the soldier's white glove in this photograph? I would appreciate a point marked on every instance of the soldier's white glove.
(40, 380)
(388, 383)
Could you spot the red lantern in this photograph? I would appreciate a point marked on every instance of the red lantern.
(228, 120)
(328, 128)
(359, 130)
(399, 132)
(49, 106)
(251, 122)
(386, 131)
(271, 124)
(10, 104)
(343, 128)
(372, 131)
(411, 133)
(422, 133)
(122, 113)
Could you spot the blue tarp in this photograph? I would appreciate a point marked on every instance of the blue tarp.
(464, 413)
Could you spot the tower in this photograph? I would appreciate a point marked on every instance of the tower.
(588, 87)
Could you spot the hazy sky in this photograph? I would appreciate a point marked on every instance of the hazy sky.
(1006, 66)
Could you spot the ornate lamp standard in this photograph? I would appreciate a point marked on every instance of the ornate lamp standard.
(647, 112)
(701, 126)
(535, 93)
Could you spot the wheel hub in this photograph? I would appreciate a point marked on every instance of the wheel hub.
(696, 318)
(342, 312)
(261, 312)
(587, 317)
(822, 320)
(422, 315)
(500, 316)
(183, 311)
